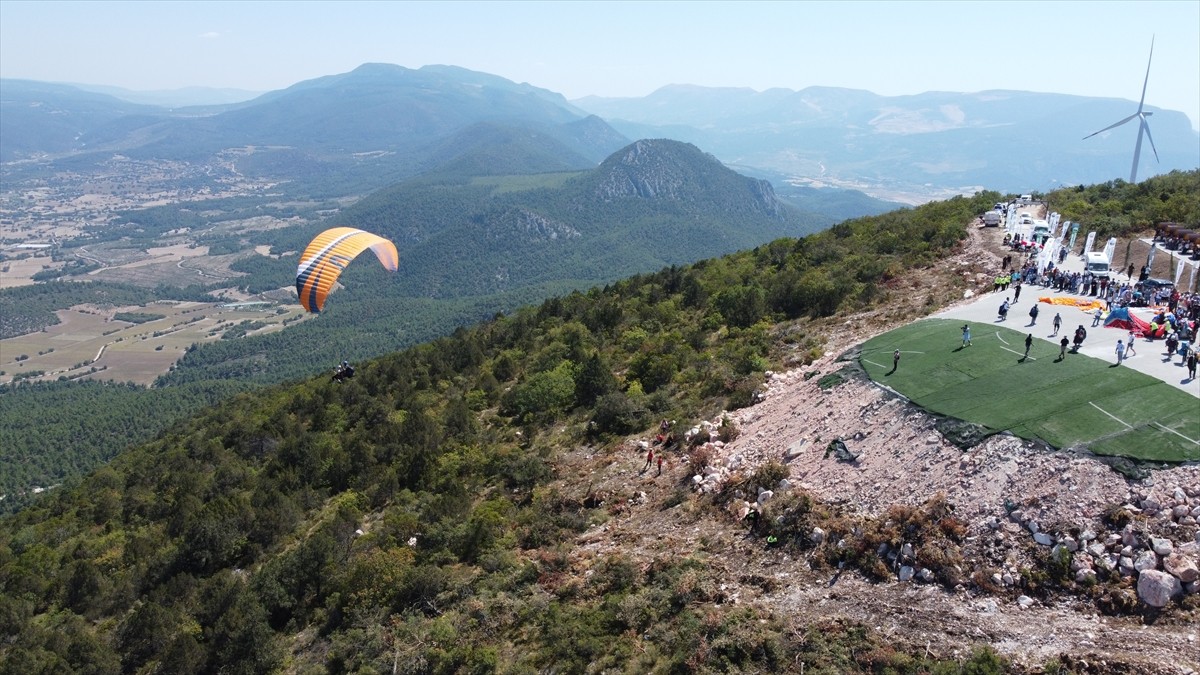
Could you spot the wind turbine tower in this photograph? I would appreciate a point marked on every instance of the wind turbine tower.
(1143, 125)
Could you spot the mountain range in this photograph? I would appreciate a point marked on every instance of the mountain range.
(381, 123)
(920, 145)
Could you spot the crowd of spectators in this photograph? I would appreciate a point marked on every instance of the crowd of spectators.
(1178, 311)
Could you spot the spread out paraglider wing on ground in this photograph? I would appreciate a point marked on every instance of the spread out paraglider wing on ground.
(329, 253)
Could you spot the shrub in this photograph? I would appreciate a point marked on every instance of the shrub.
(728, 431)
(769, 475)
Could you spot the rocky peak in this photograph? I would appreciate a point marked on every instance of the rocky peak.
(673, 171)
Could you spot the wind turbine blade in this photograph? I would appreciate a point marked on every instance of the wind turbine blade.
(1146, 127)
(1147, 80)
(1111, 126)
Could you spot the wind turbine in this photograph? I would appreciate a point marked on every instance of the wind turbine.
(1144, 126)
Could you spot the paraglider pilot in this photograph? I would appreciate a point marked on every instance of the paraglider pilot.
(344, 371)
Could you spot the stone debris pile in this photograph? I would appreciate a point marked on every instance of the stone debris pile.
(857, 445)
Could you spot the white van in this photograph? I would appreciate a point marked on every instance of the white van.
(1097, 264)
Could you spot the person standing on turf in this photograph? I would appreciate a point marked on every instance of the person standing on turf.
(895, 360)
(1057, 323)
(1028, 344)
(1080, 336)
(966, 329)
(1062, 348)
(1120, 352)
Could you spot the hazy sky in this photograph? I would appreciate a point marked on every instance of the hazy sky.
(623, 48)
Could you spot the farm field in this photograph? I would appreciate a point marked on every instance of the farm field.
(1071, 402)
(91, 342)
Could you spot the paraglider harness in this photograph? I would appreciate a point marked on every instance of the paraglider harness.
(344, 371)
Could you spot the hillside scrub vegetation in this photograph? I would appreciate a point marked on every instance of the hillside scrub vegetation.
(411, 515)
(416, 518)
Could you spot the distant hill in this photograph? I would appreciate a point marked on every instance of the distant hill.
(347, 133)
(176, 98)
(921, 144)
(470, 247)
(39, 118)
(653, 203)
(491, 149)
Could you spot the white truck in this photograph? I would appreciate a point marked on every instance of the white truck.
(992, 219)
(1097, 264)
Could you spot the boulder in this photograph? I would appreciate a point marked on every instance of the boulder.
(1085, 576)
(1128, 537)
(1161, 546)
(1157, 589)
(906, 573)
(818, 536)
(765, 496)
(1180, 511)
(1071, 544)
(1025, 601)
(1182, 567)
(1147, 560)
(1043, 538)
(926, 575)
(1096, 550)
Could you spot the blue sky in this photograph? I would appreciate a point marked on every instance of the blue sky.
(623, 48)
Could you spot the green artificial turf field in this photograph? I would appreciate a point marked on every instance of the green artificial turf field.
(1076, 400)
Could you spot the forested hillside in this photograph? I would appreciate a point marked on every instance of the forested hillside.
(53, 432)
(405, 520)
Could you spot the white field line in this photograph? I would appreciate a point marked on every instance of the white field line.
(877, 365)
(1191, 440)
(1017, 352)
(1000, 338)
(1109, 414)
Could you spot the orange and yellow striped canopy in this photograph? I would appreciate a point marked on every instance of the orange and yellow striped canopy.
(329, 253)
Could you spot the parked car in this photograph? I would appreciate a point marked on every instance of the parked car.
(1154, 285)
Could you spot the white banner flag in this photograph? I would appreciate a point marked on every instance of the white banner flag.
(1110, 248)
(1179, 273)
(1087, 245)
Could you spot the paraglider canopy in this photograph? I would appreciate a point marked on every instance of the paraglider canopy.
(329, 253)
